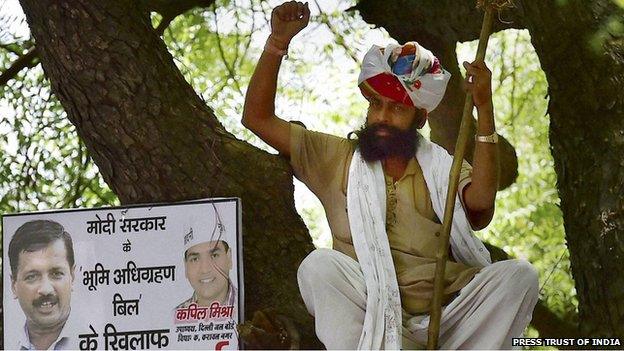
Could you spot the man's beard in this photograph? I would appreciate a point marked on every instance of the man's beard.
(395, 142)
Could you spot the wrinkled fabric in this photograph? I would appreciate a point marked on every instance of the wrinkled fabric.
(436, 164)
(493, 308)
(366, 201)
(322, 162)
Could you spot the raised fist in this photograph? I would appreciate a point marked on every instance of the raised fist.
(288, 19)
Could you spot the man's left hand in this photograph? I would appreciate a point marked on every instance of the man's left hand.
(478, 82)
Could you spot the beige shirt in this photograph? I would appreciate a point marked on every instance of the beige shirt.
(321, 161)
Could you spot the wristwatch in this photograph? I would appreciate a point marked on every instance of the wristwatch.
(491, 139)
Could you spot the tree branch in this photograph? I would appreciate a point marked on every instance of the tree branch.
(230, 69)
(169, 9)
(461, 20)
(17, 47)
(324, 18)
(174, 8)
(164, 23)
(28, 60)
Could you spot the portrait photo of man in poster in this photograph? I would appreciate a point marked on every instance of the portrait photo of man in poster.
(41, 257)
(207, 266)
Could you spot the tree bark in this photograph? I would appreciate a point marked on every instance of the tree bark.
(27, 60)
(582, 54)
(155, 140)
(168, 9)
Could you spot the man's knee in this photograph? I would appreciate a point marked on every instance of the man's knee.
(328, 267)
(521, 275)
(318, 275)
(317, 265)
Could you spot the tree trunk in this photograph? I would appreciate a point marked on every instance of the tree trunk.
(155, 140)
(582, 54)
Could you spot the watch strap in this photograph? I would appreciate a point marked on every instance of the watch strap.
(491, 139)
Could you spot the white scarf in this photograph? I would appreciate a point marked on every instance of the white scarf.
(366, 203)
(436, 163)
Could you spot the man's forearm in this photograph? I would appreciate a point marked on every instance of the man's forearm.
(287, 20)
(260, 97)
(485, 165)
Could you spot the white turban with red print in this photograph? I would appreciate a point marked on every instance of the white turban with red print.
(409, 74)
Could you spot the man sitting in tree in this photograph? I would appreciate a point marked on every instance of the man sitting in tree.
(384, 194)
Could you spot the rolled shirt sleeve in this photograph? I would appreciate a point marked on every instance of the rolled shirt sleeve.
(465, 178)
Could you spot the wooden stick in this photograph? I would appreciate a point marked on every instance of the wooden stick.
(460, 150)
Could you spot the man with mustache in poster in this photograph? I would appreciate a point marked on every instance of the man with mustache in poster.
(41, 256)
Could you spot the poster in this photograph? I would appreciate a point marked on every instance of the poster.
(161, 276)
